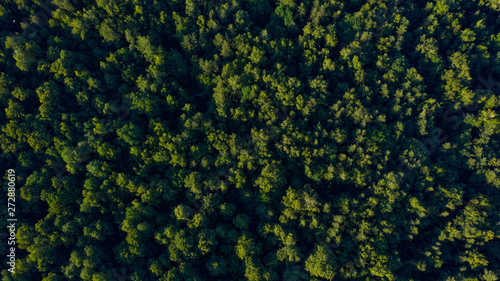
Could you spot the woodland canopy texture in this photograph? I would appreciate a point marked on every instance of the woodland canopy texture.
(289, 140)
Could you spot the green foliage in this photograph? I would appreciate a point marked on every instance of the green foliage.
(252, 140)
(321, 264)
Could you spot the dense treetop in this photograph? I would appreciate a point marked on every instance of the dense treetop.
(252, 139)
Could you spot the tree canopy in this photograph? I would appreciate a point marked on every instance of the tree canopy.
(252, 139)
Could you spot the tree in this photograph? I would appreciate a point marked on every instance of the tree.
(321, 264)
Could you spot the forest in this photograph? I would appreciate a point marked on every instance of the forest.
(248, 140)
